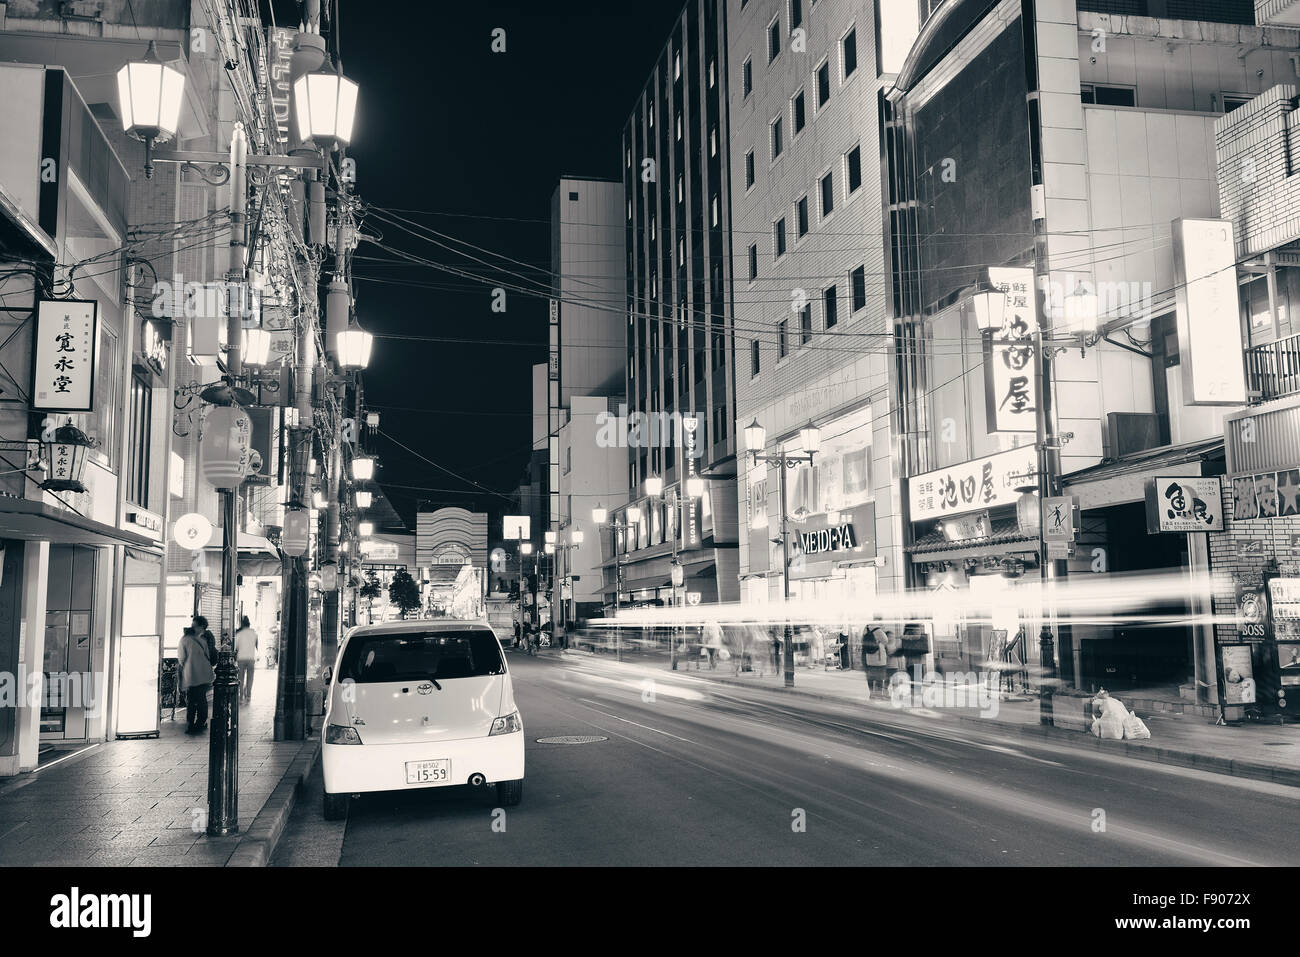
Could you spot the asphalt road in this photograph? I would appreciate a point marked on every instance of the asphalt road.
(699, 773)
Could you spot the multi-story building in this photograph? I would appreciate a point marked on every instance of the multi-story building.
(679, 358)
(812, 328)
(1075, 142)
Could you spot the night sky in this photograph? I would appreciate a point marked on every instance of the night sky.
(449, 134)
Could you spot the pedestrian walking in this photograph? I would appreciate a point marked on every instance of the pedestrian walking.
(875, 657)
(196, 679)
(713, 643)
(845, 631)
(200, 625)
(776, 654)
(246, 658)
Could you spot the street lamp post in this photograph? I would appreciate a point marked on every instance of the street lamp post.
(810, 440)
(1080, 325)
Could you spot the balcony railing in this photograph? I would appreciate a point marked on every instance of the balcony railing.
(1273, 369)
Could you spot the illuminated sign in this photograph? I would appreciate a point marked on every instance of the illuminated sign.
(1181, 504)
(63, 371)
(828, 540)
(1209, 317)
(515, 527)
(970, 486)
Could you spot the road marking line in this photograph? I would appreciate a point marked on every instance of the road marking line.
(645, 727)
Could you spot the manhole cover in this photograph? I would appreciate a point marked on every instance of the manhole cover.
(573, 739)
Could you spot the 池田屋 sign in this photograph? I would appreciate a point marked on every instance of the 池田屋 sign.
(63, 369)
(970, 486)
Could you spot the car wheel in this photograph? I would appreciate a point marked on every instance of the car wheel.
(336, 806)
(510, 793)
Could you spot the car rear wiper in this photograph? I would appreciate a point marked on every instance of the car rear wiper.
(434, 679)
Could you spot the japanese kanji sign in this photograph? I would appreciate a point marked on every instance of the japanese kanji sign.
(970, 486)
(63, 369)
(1011, 388)
(1176, 503)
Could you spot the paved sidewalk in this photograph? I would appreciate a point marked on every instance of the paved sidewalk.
(1262, 751)
(137, 802)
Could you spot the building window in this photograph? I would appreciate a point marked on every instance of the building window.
(679, 127)
(782, 349)
(774, 39)
(753, 261)
(853, 169)
(629, 209)
(677, 66)
(849, 52)
(829, 306)
(1108, 95)
(713, 141)
(797, 112)
(681, 188)
(858, 286)
(652, 227)
(801, 217)
(712, 73)
(568, 462)
(778, 238)
(141, 426)
(573, 197)
(629, 157)
(805, 323)
(796, 14)
(681, 252)
(823, 83)
(650, 114)
(749, 169)
(713, 209)
(753, 358)
(828, 194)
(1234, 101)
(747, 76)
(776, 138)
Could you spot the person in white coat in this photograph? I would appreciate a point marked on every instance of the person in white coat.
(196, 679)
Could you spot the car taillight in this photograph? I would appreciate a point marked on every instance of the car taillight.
(341, 734)
(506, 725)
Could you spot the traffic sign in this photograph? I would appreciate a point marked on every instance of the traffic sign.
(1058, 519)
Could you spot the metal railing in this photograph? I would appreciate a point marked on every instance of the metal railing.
(1273, 369)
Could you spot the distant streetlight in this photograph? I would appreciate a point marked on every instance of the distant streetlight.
(599, 515)
(365, 529)
(364, 499)
(654, 486)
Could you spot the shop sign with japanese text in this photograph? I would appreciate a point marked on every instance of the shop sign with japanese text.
(1176, 503)
(969, 486)
(63, 370)
(1011, 388)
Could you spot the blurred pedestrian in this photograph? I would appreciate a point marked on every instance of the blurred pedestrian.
(246, 658)
(713, 643)
(776, 653)
(196, 679)
(875, 657)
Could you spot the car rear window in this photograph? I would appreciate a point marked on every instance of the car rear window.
(421, 655)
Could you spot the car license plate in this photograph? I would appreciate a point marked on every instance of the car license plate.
(428, 772)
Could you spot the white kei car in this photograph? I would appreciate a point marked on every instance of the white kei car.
(421, 704)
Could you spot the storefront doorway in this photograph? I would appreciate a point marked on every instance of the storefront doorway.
(1154, 657)
(72, 623)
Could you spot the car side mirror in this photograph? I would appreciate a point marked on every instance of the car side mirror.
(329, 674)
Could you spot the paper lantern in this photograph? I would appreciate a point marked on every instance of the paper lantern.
(225, 446)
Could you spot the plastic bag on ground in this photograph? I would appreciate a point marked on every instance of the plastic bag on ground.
(1134, 727)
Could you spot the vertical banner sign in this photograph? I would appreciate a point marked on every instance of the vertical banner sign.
(280, 52)
(63, 370)
(691, 440)
(1010, 386)
(1209, 318)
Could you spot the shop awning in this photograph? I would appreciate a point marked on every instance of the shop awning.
(257, 556)
(33, 521)
(1005, 540)
(636, 584)
(1124, 480)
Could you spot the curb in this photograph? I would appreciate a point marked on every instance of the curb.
(1255, 770)
(258, 844)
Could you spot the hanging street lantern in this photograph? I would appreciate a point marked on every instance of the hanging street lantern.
(1028, 516)
(329, 576)
(365, 529)
(364, 499)
(325, 106)
(225, 446)
(67, 459)
(363, 469)
(149, 96)
(296, 534)
(755, 437)
(354, 348)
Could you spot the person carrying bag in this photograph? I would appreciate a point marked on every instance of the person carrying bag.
(196, 679)
(875, 656)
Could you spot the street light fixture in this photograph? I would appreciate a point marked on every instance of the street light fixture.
(550, 538)
(365, 529)
(599, 515)
(325, 106)
(363, 469)
(654, 486)
(633, 513)
(364, 499)
(990, 309)
(525, 548)
(575, 536)
(149, 94)
(755, 441)
(354, 348)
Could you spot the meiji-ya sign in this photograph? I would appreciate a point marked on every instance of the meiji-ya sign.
(828, 540)
(1182, 504)
(1011, 387)
(969, 486)
(63, 369)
